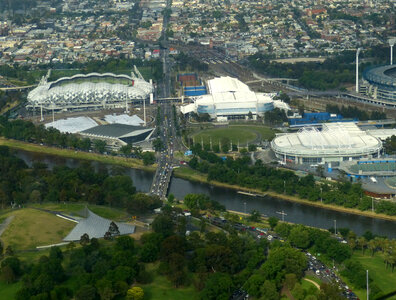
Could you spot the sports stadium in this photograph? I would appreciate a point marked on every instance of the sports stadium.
(230, 98)
(380, 84)
(336, 142)
(90, 91)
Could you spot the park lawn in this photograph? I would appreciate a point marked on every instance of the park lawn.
(76, 208)
(31, 228)
(161, 288)
(109, 213)
(8, 291)
(235, 133)
(384, 278)
(266, 133)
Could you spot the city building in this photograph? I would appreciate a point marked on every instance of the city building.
(334, 143)
(229, 98)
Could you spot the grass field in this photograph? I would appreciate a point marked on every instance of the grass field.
(75, 208)
(242, 133)
(161, 288)
(384, 278)
(8, 291)
(31, 228)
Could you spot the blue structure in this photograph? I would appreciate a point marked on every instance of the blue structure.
(315, 118)
(195, 90)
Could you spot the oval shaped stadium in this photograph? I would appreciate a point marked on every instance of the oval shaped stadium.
(84, 91)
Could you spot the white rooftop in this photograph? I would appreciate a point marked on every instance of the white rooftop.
(124, 119)
(72, 125)
(226, 84)
(334, 139)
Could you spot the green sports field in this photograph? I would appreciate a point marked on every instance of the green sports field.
(234, 133)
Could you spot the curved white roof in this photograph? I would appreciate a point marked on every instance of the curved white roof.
(71, 93)
(226, 84)
(335, 139)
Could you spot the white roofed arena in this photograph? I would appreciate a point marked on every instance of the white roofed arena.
(232, 99)
(90, 91)
(336, 142)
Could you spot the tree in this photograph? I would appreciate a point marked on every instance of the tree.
(100, 146)
(163, 224)
(148, 158)
(105, 289)
(330, 292)
(113, 229)
(255, 216)
(86, 292)
(299, 237)
(269, 291)
(298, 292)
(273, 221)
(217, 287)
(135, 293)
(1, 249)
(7, 274)
(290, 280)
(171, 198)
(282, 261)
(9, 251)
(84, 239)
(158, 145)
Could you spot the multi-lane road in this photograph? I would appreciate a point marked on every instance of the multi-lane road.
(163, 174)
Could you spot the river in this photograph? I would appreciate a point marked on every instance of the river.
(296, 212)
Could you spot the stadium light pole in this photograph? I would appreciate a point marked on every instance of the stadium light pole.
(367, 285)
(391, 44)
(357, 69)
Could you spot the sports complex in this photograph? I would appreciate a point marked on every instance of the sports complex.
(335, 142)
(380, 84)
(90, 91)
(229, 98)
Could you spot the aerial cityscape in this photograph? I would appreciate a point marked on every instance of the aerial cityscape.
(170, 149)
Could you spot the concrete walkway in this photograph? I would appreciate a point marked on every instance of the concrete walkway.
(313, 282)
(4, 225)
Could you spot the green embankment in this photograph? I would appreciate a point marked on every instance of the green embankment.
(106, 159)
(383, 277)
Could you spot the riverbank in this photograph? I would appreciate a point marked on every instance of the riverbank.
(68, 153)
(192, 175)
(183, 173)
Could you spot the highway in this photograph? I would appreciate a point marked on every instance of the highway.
(165, 161)
(167, 128)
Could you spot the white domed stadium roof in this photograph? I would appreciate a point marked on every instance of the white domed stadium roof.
(335, 139)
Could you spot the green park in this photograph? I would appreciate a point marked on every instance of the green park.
(241, 134)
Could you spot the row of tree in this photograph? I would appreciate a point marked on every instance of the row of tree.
(355, 113)
(259, 176)
(21, 185)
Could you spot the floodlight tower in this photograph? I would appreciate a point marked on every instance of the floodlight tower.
(391, 44)
(357, 69)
